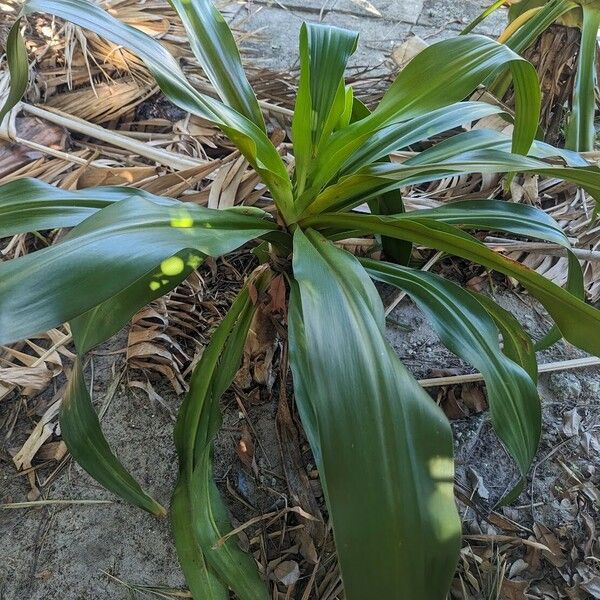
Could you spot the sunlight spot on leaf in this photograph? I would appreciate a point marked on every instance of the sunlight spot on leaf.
(441, 468)
(194, 261)
(182, 220)
(154, 285)
(172, 266)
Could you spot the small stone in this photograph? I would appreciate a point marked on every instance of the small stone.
(593, 387)
(287, 572)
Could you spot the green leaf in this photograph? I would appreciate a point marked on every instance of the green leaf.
(388, 203)
(249, 138)
(401, 135)
(466, 328)
(101, 322)
(321, 100)
(33, 205)
(518, 345)
(198, 422)
(575, 285)
(372, 180)
(551, 11)
(468, 61)
(383, 447)
(18, 69)
(482, 139)
(214, 46)
(484, 15)
(580, 131)
(201, 580)
(578, 322)
(107, 253)
(83, 436)
(498, 215)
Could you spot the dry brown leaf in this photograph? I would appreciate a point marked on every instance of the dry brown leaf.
(554, 555)
(276, 293)
(405, 52)
(45, 429)
(97, 176)
(514, 590)
(33, 379)
(473, 398)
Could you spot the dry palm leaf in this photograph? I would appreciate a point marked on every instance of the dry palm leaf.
(30, 367)
(104, 102)
(157, 334)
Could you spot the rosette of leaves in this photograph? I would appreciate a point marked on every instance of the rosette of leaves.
(382, 446)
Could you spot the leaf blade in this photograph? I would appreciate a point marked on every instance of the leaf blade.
(83, 436)
(465, 327)
(214, 46)
(366, 419)
(198, 422)
(110, 251)
(578, 322)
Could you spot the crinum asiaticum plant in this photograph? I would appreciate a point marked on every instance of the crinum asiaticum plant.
(383, 447)
(528, 19)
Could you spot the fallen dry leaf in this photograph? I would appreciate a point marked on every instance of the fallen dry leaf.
(514, 590)
(287, 572)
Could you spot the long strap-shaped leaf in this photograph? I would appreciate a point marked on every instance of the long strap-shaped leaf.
(214, 46)
(196, 497)
(466, 328)
(354, 189)
(400, 135)
(31, 205)
(244, 133)
(383, 447)
(425, 85)
(517, 343)
(509, 217)
(578, 322)
(198, 516)
(83, 436)
(581, 132)
(498, 215)
(19, 76)
(201, 579)
(525, 35)
(482, 16)
(388, 203)
(489, 139)
(324, 53)
(519, 219)
(104, 320)
(107, 253)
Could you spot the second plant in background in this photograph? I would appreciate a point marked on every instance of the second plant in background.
(530, 19)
